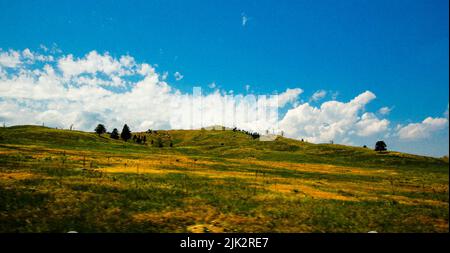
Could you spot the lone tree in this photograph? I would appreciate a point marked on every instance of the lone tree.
(100, 129)
(380, 146)
(114, 134)
(126, 133)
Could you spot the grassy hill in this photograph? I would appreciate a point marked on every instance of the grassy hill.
(55, 180)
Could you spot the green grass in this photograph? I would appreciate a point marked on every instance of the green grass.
(220, 181)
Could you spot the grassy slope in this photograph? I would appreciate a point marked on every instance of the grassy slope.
(297, 192)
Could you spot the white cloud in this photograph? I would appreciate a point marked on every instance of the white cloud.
(94, 63)
(333, 120)
(127, 61)
(29, 57)
(146, 69)
(244, 19)
(384, 110)
(9, 59)
(100, 88)
(318, 95)
(422, 130)
(369, 125)
(76, 91)
(289, 96)
(27, 53)
(178, 76)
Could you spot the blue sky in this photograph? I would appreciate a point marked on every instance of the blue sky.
(396, 49)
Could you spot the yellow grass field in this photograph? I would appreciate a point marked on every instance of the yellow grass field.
(212, 181)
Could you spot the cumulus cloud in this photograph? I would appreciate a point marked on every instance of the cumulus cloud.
(84, 91)
(333, 120)
(384, 110)
(146, 69)
(27, 53)
(289, 96)
(318, 95)
(92, 63)
(369, 125)
(422, 130)
(97, 88)
(9, 59)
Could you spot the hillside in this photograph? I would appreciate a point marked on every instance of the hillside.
(212, 181)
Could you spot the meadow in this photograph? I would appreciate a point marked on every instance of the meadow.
(54, 180)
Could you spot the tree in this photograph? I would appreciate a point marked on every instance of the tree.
(255, 135)
(126, 133)
(100, 129)
(159, 143)
(114, 134)
(380, 146)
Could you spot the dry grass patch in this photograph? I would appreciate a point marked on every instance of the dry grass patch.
(309, 191)
(319, 168)
(16, 175)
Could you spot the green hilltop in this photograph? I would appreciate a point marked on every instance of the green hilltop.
(218, 143)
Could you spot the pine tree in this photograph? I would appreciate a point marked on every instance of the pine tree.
(126, 133)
